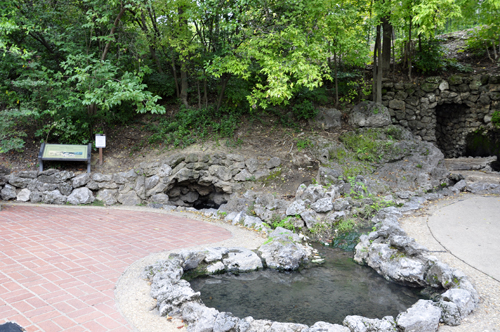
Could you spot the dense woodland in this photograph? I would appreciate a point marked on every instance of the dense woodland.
(70, 68)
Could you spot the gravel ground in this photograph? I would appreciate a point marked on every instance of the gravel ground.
(486, 318)
(132, 292)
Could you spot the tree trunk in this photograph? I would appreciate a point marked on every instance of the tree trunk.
(336, 80)
(380, 65)
(409, 50)
(184, 86)
(174, 70)
(374, 75)
(117, 20)
(225, 79)
(386, 44)
(199, 93)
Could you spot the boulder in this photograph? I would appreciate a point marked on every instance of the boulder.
(327, 327)
(363, 324)
(158, 198)
(53, 176)
(310, 217)
(273, 162)
(24, 195)
(53, 197)
(370, 114)
(422, 316)
(282, 252)
(131, 198)
(107, 196)
(327, 119)
(242, 260)
(81, 196)
(323, 205)
(8, 192)
(252, 164)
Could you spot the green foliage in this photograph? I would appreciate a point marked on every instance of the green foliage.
(191, 125)
(495, 119)
(160, 84)
(346, 225)
(303, 143)
(305, 110)
(285, 223)
(10, 136)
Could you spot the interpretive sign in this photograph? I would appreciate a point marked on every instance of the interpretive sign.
(64, 152)
(100, 141)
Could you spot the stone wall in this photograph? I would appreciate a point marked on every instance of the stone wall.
(181, 180)
(444, 111)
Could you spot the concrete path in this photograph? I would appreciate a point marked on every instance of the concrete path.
(469, 228)
(59, 265)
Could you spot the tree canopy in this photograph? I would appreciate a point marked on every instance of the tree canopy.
(75, 65)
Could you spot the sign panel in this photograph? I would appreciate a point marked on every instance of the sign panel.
(100, 141)
(62, 151)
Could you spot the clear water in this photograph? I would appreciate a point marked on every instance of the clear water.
(327, 293)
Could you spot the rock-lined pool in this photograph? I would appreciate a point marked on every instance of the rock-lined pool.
(327, 293)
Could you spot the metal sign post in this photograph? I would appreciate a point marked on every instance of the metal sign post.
(100, 142)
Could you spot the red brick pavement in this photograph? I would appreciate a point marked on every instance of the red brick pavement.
(59, 266)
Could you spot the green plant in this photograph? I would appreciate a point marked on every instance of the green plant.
(303, 143)
(495, 119)
(305, 110)
(285, 223)
(192, 125)
(419, 166)
(346, 225)
(10, 135)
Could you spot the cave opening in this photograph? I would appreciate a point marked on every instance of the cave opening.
(199, 196)
(482, 143)
(451, 123)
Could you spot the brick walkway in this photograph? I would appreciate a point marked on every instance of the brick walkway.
(59, 266)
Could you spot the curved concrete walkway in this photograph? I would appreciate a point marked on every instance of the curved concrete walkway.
(470, 230)
(59, 265)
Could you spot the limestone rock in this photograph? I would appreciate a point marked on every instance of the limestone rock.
(363, 324)
(242, 260)
(422, 316)
(199, 317)
(19, 182)
(53, 176)
(8, 192)
(98, 177)
(65, 188)
(53, 197)
(327, 327)
(159, 198)
(81, 196)
(107, 196)
(310, 217)
(244, 175)
(80, 180)
(130, 198)
(311, 193)
(327, 119)
(323, 205)
(296, 207)
(273, 162)
(282, 252)
(461, 298)
(252, 164)
(24, 195)
(370, 114)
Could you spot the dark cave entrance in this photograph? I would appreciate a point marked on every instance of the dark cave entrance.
(482, 143)
(192, 194)
(451, 124)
